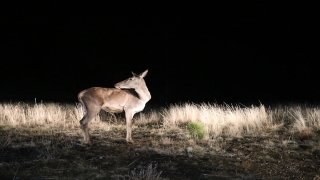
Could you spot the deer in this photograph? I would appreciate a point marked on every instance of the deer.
(130, 96)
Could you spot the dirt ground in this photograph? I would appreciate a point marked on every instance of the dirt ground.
(64, 156)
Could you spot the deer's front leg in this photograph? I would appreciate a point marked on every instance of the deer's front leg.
(129, 116)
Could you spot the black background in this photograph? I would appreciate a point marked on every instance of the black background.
(232, 52)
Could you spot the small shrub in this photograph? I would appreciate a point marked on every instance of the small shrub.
(146, 174)
(196, 130)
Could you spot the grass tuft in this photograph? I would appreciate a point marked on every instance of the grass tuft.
(146, 174)
(196, 130)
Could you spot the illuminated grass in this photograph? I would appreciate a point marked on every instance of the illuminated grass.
(205, 136)
(217, 120)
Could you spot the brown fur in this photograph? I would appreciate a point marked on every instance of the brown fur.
(115, 100)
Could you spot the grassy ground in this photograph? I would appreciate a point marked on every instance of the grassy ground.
(43, 141)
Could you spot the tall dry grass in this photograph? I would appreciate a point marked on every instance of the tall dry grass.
(218, 120)
(233, 120)
(21, 114)
(44, 116)
(303, 117)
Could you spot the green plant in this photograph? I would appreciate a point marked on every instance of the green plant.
(196, 130)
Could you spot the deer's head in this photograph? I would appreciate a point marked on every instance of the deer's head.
(133, 82)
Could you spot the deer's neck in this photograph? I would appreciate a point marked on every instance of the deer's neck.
(143, 92)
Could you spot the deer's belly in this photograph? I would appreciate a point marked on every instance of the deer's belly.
(113, 109)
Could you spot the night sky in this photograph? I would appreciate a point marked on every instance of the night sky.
(194, 51)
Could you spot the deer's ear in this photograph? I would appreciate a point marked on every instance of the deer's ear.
(144, 73)
(134, 74)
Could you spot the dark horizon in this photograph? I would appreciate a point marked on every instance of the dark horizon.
(195, 52)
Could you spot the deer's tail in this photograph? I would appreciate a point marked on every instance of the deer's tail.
(81, 102)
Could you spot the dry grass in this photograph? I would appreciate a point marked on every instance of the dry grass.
(50, 131)
(219, 120)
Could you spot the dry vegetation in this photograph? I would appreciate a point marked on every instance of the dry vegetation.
(43, 141)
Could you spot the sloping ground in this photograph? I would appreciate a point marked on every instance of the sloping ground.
(63, 156)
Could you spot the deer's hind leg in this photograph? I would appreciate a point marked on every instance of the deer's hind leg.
(89, 113)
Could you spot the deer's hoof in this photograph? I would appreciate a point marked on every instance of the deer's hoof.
(89, 143)
(130, 141)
